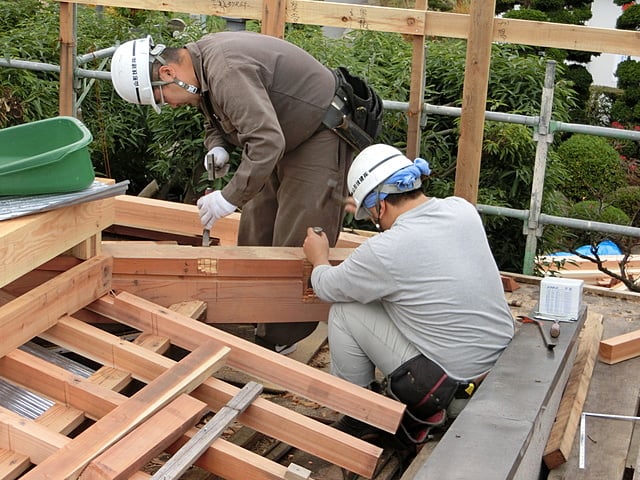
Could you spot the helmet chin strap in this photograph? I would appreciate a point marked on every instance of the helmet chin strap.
(187, 86)
(376, 221)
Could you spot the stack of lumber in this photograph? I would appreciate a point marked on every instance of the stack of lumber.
(575, 267)
(59, 285)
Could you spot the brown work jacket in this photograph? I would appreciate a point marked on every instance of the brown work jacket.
(262, 94)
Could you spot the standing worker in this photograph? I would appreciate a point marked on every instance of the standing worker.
(296, 121)
(422, 301)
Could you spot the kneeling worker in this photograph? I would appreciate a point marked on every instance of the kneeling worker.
(422, 301)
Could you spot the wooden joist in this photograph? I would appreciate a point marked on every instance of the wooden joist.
(130, 454)
(267, 417)
(69, 461)
(303, 380)
(30, 314)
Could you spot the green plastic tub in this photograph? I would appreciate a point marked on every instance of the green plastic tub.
(45, 156)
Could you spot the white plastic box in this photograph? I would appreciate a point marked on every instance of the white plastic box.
(560, 297)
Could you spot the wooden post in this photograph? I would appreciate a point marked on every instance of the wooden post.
(474, 99)
(273, 17)
(416, 92)
(67, 58)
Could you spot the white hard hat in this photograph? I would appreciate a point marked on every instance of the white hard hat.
(370, 168)
(131, 71)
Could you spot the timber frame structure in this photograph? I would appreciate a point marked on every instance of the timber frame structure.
(57, 280)
(60, 281)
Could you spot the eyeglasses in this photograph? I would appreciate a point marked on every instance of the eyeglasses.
(160, 102)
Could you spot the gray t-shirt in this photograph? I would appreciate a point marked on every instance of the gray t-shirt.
(437, 279)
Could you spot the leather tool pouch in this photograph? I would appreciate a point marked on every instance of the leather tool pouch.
(355, 114)
(426, 390)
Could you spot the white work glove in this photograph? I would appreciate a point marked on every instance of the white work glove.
(220, 159)
(213, 207)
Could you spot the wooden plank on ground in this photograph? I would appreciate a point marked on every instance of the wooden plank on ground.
(273, 420)
(621, 347)
(68, 462)
(151, 438)
(301, 379)
(564, 429)
(30, 314)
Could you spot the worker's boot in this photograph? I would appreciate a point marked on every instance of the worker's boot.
(356, 428)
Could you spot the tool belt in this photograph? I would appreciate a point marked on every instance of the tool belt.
(355, 113)
(426, 390)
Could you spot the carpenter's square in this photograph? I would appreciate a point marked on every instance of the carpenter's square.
(206, 239)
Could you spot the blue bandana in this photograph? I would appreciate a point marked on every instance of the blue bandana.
(404, 180)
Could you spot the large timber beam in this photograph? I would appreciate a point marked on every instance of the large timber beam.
(29, 241)
(406, 21)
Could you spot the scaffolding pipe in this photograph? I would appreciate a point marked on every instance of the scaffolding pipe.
(47, 67)
(543, 135)
(531, 121)
(545, 219)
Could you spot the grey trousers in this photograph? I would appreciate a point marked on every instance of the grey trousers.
(290, 202)
(361, 338)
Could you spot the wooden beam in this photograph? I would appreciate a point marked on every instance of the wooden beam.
(30, 314)
(621, 347)
(563, 431)
(26, 437)
(69, 461)
(27, 242)
(409, 21)
(12, 464)
(35, 440)
(265, 416)
(474, 99)
(306, 381)
(147, 441)
(171, 217)
(239, 284)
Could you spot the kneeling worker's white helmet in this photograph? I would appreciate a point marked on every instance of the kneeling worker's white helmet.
(131, 71)
(370, 168)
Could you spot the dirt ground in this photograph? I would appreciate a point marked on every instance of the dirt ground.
(621, 315)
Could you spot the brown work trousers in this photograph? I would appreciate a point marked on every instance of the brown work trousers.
(290, 202)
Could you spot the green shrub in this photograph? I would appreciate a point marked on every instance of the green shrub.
(593, 167)
(596, 211)
(627, 199)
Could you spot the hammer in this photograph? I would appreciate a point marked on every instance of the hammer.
(548, 343)
(330, 194)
